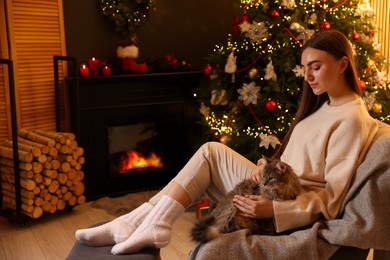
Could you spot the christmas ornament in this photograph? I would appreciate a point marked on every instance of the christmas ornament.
(231, 66)
(325, 25)
(204, 110)
(294, 26)
(129, 54)
(362, 85)
(275, 13)
(377, 107)
(253, 73)
(270, 105)
(208, 70)
(218, 97)
(299, 71)
(269, 71)
(256, 32)
(355, 36)
(267, 140)
(249, 93)
(224, 139)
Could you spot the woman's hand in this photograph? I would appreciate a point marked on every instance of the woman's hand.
(253, 206)
(257, 174)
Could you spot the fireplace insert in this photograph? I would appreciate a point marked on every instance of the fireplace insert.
(137, 130)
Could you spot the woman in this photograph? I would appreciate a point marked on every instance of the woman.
(336, 131)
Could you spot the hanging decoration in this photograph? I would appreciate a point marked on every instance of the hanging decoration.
(127, 17)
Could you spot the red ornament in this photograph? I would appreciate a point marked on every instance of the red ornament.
(245, 18)
(270, 105)
(355, 36)
(362, 85)
(208, 70)
(275, 13)
(325, 25)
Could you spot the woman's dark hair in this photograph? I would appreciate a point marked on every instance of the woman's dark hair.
(336, 44)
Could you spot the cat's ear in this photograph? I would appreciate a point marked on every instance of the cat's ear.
(281, 166)
(268, 160)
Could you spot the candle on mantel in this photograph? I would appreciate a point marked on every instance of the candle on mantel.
(93, 65)
(84, 71)
(106, 71)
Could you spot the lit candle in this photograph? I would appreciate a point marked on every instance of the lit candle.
(84, 71)
(106, 71)
(93, 65)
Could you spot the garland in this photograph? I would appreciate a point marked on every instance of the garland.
(127, 17)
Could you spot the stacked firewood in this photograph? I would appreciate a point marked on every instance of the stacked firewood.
(50, 172)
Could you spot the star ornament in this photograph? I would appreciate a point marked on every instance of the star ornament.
(267, 140)
(299, 71)
(249, 93)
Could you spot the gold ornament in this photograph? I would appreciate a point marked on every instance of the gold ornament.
(253, 73)
(224, 139)
(377, 107)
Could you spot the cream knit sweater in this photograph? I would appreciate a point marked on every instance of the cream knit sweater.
(324, 150)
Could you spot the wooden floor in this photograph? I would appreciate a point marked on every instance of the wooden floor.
(52, 236)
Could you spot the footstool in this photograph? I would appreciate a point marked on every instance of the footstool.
(82, 252)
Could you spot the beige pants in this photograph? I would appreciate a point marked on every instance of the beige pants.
(214, 169)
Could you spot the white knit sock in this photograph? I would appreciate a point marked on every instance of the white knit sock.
(115, 231)
(155, 230)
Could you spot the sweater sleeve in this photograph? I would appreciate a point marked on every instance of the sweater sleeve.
(344, 149)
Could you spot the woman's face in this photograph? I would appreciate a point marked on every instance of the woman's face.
(323, 72)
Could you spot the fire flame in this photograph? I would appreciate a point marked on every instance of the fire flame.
(135, 160)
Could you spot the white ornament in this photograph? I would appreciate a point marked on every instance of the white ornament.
(289, 4)
(369, 100)
(313, 18)
(231, 65)
(204, 110)
(381, 77)
(245, 26)
(269, 71)
(218, 97)
(299, 71)
(267, 140)
(249, 93)
(364, 9)
(294, 26)
(256, 32)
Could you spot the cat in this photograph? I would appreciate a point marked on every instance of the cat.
(277, 182)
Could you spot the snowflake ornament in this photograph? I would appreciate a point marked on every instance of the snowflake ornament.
(267, 140)
(299, 71)
(249, 93)
(369, 100)
(364, 9)
(256, 32)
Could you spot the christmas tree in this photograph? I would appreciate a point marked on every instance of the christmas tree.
(251, 89)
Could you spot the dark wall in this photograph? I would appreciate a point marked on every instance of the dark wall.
(189, 29)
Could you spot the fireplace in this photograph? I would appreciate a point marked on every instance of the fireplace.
(137, 130)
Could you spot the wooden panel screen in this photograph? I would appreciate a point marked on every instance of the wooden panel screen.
(4, 104)
(36, 34)
(382, 20)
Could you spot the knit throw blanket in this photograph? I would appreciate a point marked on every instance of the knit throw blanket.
(363, 221)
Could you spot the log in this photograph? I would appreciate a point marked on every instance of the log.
(10, 162)
(23, 156)
(36, 137)
(81, 199)
(61, 204)
(58, 137)
(11, 170)
(54, 185)
(24, 147)
(44, 148)
(37, 167)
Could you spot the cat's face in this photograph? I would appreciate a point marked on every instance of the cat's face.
(275, 173)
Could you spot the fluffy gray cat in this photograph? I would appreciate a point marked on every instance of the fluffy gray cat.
(278, 182)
